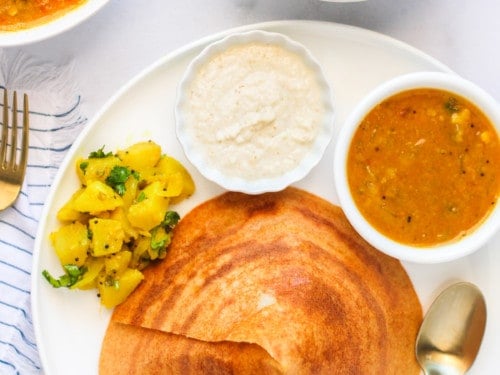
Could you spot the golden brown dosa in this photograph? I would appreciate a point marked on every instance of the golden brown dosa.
(136, 350)
(283, 271)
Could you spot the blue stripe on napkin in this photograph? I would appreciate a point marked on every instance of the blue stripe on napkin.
(55, 121)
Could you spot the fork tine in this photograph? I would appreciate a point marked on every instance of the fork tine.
(5, 129)
(13, 133)
(26, 126)
(12, 172)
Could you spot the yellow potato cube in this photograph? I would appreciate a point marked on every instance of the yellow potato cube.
(121, 215)
(169, 166)
(71, 243)
(97, 197)
(118, 263)
(89, 279)
(140, 254)
(115, 291)
(68, 212)
(141, 155)
(150, 211)
(175, 185)
(95, 169)
(107, 236)
(131, 188)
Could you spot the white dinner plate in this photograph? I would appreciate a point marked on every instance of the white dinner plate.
(70, 325)
(53, 27)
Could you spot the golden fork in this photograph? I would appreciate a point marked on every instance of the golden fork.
(12, 165)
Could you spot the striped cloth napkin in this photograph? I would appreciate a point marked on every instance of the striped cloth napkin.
(55, 121)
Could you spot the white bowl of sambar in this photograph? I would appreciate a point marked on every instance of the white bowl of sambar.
(417, 167)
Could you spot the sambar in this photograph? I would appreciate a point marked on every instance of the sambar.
(424, 167)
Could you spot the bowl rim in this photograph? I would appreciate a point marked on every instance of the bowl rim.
(438, 253)
(311, 159)
(52, 27)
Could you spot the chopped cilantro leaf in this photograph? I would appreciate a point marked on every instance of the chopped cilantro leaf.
(99, 154)
(117, 178)
(160, 239)
(72, 274)
(84, 165)
(158, 244)
(141, 196)
(161, 235)
(170, 220)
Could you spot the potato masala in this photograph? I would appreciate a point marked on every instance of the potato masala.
(119, 221)
(423, 167)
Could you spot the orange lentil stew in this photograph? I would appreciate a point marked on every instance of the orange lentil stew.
(22, 14)
(424, 167)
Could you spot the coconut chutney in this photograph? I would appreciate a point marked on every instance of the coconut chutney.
(255, 110)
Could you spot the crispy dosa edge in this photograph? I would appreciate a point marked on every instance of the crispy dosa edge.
(135, 350)
(287, 272)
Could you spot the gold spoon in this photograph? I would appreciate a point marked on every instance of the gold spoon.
(452, 330)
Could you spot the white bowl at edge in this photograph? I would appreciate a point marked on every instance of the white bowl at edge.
(52, 27)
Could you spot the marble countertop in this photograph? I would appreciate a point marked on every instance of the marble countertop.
(127, 35)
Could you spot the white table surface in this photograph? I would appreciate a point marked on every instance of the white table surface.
(126, 36)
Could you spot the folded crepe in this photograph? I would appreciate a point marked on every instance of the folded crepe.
(271, 283)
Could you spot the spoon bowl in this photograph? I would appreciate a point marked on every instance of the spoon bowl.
(450, 335)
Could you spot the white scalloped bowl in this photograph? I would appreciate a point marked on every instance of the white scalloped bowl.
(53, 27)
(419, 254)
(197, 154)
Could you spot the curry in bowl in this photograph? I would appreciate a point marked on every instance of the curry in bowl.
(416, 167)
(423, 166)
(23, 14)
